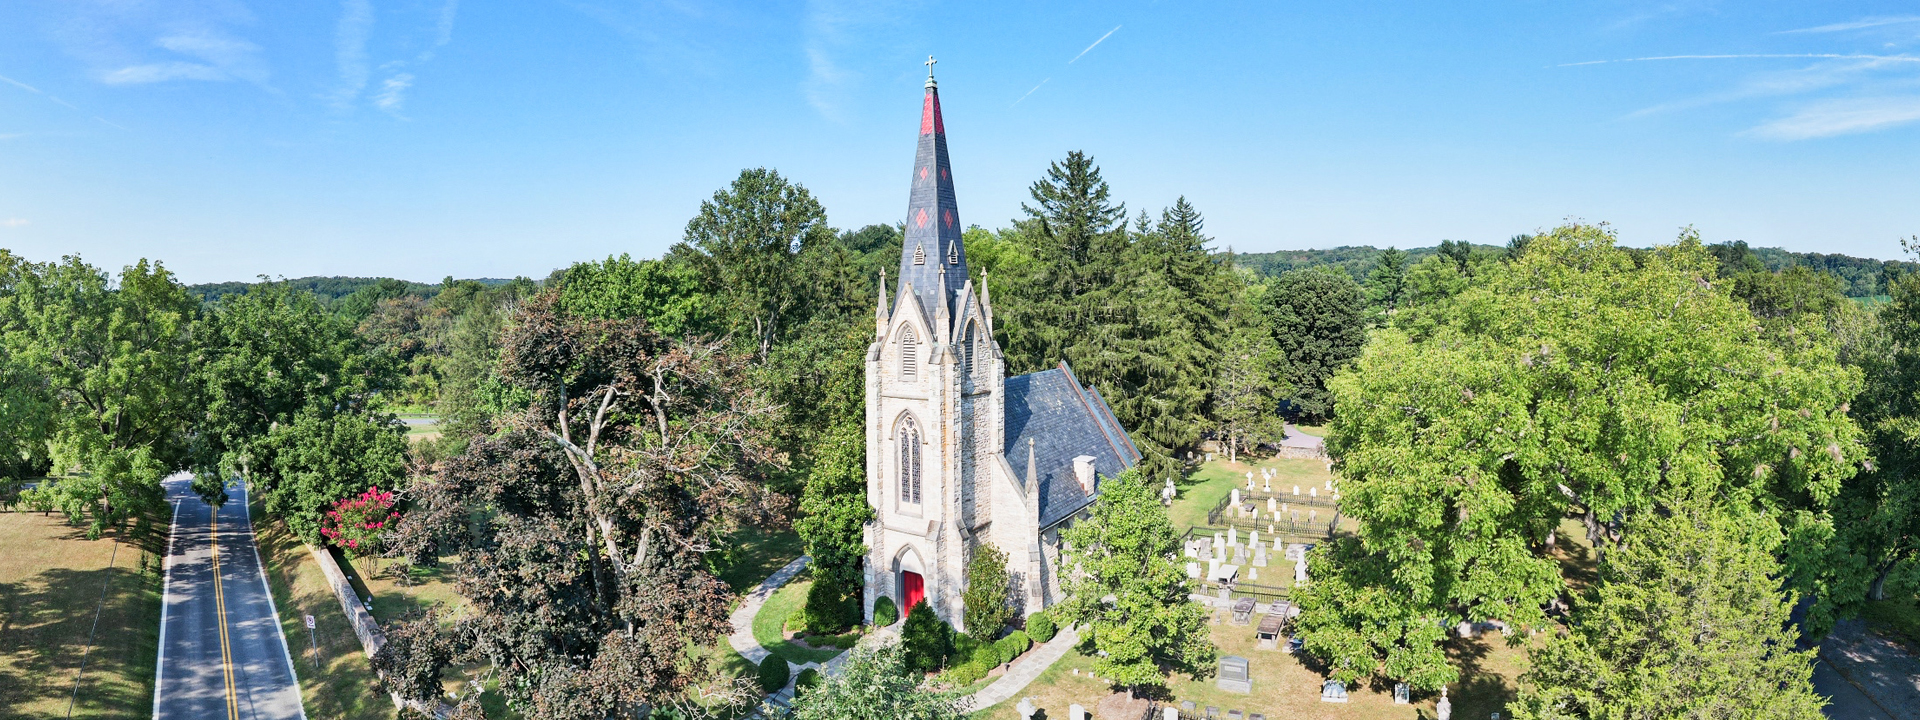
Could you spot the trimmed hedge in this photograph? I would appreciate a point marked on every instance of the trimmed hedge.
(808, 680)
(1040, 626)
(968, 674)
(1012, 646)
(828, 611)
(774, 673)
(884, 612)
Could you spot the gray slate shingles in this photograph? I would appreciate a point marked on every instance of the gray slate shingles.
(1064, 421)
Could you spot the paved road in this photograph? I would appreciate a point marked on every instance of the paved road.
(221, 651)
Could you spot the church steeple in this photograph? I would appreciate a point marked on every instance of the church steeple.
(933, 261)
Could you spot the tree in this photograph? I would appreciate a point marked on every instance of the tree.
(1577, 381)
(745, 242)
(1248, 388)
(876, 684)
(1687, 621)
(582, 523)
(669, 295)
(264, 357)
(1316, 319)
(927, 640)
(988, 599)
(1122, 581)
(1387, 284)
(107, 366)
(302, 468)
(359, 524)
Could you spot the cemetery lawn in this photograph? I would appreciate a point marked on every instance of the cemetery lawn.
(1215, 480)
(755, 554)
(51, 578)
(1284, 688)
(1318, 431)
(771, 621)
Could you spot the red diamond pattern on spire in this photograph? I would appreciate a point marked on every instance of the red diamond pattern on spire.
(923, 173)
(920, 219)
(948, 217)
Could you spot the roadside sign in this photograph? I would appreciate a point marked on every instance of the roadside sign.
(309, 622)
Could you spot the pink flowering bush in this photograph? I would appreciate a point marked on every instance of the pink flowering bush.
(356, 524)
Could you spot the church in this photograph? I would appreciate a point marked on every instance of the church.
(960, 456)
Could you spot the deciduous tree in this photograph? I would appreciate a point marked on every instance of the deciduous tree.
(1317, 319)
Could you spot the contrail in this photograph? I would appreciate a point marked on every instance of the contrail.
(1029, 92)
(28, 88)
(1830, 56)
(1103, 38)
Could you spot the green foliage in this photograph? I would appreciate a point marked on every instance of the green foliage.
(1687, 621)
(877, 684)
(1012, 646)
(1125, 550)
(806, 682)
(966, 674)
(1249, 382)
(1387, 284)
(1316, 317)
(885, 612)
(668, 295)
(830, 609)
(989, 596)
(100, 373)
(1040, 626)
(773, 673)
(927, 640)
(746, 245)
(301, 468)
(1578, 380)
(823, 383)
(267, 356)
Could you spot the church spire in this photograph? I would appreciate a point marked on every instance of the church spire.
(933, 261)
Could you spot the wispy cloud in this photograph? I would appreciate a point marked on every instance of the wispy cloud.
(1860, 24)
(1096, 43)
(14, 222)
(62, 103)
(1844, 116)
(830, 29)
(350, 50)
(1752, 56)
(393, 93)
(162, 72)
(1030, 92)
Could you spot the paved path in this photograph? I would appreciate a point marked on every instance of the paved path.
(221, 651)
(1024, 671)
(1878, 669)
(742, 617)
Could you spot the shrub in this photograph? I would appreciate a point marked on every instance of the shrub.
(1011, 646)
(808, 680)
(843, 641)
(927, 639)
(987, 655)
(884, 612)
(773, 673)
(1040, 626)
(964, 645)
(987, 600)
(966, 674)
(828, 611)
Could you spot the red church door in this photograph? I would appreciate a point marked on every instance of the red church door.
(912, 589)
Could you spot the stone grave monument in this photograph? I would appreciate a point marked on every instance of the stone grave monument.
(1333, 691)
(1401, 694)
(1443, 710)
(1234, 675)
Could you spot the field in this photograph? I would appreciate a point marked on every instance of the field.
(51, 583)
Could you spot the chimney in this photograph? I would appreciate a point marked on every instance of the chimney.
(1083, 471)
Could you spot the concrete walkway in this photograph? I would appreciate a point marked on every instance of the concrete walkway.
(742, 617)
(1880, 669)
(1024, 671)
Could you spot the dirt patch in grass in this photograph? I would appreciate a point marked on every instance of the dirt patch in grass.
(51, 583)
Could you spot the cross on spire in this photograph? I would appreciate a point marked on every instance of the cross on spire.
(929, 63)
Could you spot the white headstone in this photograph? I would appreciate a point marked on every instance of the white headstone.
(1296, 489)
(1025, 708)
(1236, 499)
(1170, 713)
(1233, 536)
(1253, 537)
(1188, 551)
(1313, 516)
(1253, 573)
(1272, 502)
(1313, 492)
(1270, 528)
(1443, 710)
(1268, 485)
(1193, 570)
(1213, 567)
(1329, 486)
(1278, 544)
(1075, 712)
(1300, 573)
(1401, 695)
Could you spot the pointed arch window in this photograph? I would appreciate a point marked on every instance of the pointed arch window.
(909, 354)
(908, 439)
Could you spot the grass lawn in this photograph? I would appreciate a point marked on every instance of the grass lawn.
(1285, 688)
(1318, 431)
(51, 578)
(769, 623)
(1215, 480)
(755, 554)
(335, 679)
(1897, 616)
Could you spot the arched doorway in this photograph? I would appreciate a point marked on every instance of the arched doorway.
(910, 580)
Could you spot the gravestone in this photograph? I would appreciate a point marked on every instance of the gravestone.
(1298, 551)
(1026, 708)
(1260, 556)
(1271, 502)
(1076, 712)
(1296, 489)
(1239, 555)
(1253, 537)
(1237, 715)
(1236, 499)
(1278, 543)
(1234, 675)
(1187, 705)
(1169, 713)
(1213, 568)
(1300, 573)
(1333, 691)
(1267, 486)
(1401, 694)
(1313, 492)
(1443, 710)
(1233, 536)
(1253, 573)
(1193, 570)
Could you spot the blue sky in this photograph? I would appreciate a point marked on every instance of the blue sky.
(425, 138)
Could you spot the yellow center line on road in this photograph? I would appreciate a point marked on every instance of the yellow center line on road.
(220, 607)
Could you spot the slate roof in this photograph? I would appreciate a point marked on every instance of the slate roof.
(1064, 420)
(933, 217)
